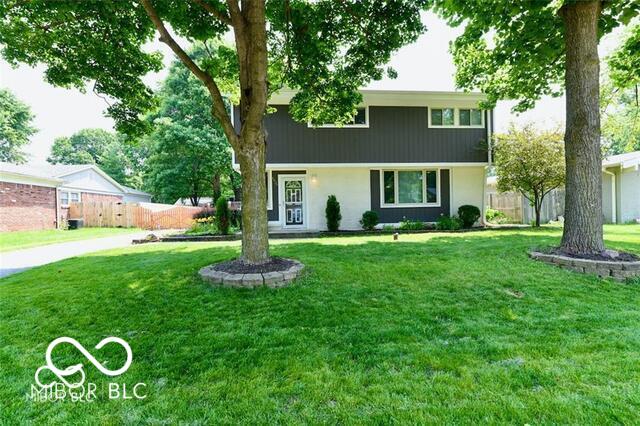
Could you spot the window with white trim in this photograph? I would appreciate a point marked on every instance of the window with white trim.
(469, 117)
(360, 119)
(410, 188)
(442, 117)
(67, 197)
(456, 117)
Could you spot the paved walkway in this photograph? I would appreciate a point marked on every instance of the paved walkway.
(19, 260)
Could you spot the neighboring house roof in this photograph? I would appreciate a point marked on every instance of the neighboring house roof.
(130, 190)
(55, 173)
(28, 171)
(630, 159)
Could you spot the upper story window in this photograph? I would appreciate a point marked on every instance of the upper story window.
(360, 119)
(456, 117)
(410, 188)
(470, 117)
(442, 117)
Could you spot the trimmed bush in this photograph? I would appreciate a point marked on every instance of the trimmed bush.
(223, 216)
(468, 215)
(448, 223)
(332, 213)
(369, 220)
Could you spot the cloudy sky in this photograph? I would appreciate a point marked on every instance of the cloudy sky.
(424, 65)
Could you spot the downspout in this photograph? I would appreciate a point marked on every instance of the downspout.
(483, 221)
(57, 206)
(614, 196)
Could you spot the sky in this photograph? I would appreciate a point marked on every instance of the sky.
(423, 65)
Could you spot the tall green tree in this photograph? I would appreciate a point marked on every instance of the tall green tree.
(86, 146)
(16, 127)
(110, 151)
(190, 153)
(527, 49)
(620, 96)
(325, 48)
(620, 111)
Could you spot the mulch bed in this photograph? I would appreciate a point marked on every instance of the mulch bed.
(237, 266)
(605, 256)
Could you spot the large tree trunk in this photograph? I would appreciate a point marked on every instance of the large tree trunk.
(250, 31)
(255, 236)
(583, 203)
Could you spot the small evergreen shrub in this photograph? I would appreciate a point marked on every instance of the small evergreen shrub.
(468, 215)
(369, 220)
(223, 216)
(332, 213)
(448, 223)
(411, 225)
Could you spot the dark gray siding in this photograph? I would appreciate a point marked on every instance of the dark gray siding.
(396, 214)
(394, 135)
(274, 214)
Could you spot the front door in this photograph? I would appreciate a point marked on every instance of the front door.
(294, 201)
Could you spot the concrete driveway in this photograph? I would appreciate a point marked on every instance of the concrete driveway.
(16, 261)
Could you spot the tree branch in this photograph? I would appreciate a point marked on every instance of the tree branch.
(219, 109)
(223, 17)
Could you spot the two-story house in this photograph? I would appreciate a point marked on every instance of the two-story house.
(413, 155)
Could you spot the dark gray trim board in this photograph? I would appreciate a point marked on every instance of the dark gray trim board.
(395, 135)
(273, 215)
(397, 214)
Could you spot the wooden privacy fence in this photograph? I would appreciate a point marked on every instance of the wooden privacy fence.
(517, 208)
(133, 215)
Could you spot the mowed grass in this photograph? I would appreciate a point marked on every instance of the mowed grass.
(17, 240)
(438, 328)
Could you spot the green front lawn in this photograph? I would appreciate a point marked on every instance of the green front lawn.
(24, 239)
(437, 328)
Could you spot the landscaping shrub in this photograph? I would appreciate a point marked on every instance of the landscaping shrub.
(202, 227)
(411, 225)
(205, 213)
(448, 223)
(223, 215)
(468, 215)
(496, 216)
(332, 213)
(369, 220)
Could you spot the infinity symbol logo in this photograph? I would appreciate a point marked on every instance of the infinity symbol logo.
(62, 373)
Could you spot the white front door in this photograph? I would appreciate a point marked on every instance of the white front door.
(293, 201)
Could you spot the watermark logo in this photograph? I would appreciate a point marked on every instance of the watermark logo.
(75, 389)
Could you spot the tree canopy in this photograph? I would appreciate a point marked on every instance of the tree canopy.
(190, 154)
(16, 127)
(624, 63)
(515, 49)
(327, 49)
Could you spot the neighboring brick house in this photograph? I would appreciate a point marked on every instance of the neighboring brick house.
(38, 196)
